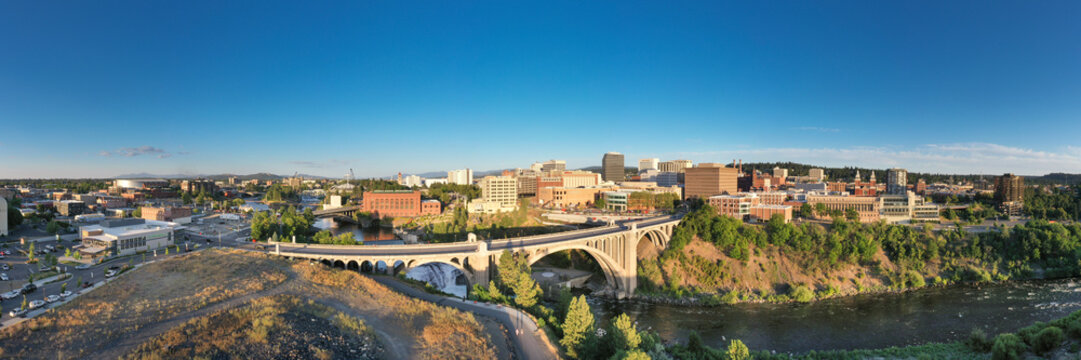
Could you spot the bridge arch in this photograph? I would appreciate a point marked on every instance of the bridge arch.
(612, 273)
(366, 266)
(352, 265)
(413, 264)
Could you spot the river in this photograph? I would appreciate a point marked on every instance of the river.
(365, 234)
(859, 322)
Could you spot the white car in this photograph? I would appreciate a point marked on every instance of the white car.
(10, 294)
(4, 277)
(17, 313)
(36, 304)
(52, 298)
(82, 267)
(110, 273)
(65, 294)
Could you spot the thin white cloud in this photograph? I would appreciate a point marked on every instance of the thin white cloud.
(962, 158)
(817, 129)
(139, 151)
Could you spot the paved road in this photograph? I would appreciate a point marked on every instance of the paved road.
(529, 342)
(432, 249)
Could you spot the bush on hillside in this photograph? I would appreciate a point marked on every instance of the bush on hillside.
(1007, 347)
(1048, 339)
(977, 341)
(803, 294)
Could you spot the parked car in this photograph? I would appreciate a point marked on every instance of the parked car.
(36, 304)
(82, 267)
(4, 277)
(28, 288)
(17, 313)
(5, 267)
(86, 284)
(65, 294)
(110, 273)
(52, 298)
(10, 294)
(44, 268)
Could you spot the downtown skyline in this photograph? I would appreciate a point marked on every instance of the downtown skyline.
(105, 89)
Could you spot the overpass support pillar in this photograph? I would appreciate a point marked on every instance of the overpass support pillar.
(480, 265)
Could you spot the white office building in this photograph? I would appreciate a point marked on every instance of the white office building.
(648, 164)
(460, 177)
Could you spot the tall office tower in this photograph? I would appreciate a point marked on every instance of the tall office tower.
(896, 181)
(612, 167)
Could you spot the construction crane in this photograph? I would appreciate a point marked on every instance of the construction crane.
(351, 175)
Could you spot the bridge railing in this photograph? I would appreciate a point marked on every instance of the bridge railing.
(454, 245)
(375, 248)
(573, 232)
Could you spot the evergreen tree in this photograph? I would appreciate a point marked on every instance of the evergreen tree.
(622, 335)
(577, 326)
(527, 291)
(738, 351)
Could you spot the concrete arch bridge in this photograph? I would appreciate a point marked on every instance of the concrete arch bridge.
(615, 247)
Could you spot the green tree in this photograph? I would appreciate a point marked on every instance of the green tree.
(63, 287)
(622, 335)
(52, 227)
(30, 254)
(738, 351)
(67, 252)
(526, 290)
(186, 198)
(493, 292)
(577, 325)
(806, 211)
(852, 215)
(137, 213)
(633, 355)
(821, 210)
(600, 203)
(510, 267)
(25, 303)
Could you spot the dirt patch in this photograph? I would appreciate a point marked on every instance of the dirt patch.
(278, 327)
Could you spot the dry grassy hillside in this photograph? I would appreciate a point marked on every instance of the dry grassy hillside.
(147, 308)
(768, 271)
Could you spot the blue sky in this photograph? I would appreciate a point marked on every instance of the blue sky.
(97, 89)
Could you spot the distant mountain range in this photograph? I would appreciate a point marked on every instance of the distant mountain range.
(259, 176)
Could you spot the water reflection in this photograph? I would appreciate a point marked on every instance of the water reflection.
(364, 234)
(864, 321)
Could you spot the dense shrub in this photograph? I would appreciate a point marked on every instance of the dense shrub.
(1048, 339)
(1074, 329)
(803, 294)
(977, 341)
(1007, 347)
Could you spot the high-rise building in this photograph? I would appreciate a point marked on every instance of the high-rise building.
(553, 165)
(896, 181)
(780, 173)
(498, 194)
(460, 177)
(648, 164)
(816, 175)
(709, 179)
(676, 166)
(1009, 188)
(612, 167)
